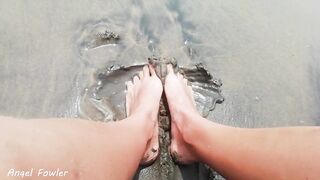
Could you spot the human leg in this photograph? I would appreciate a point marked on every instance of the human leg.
(278, 153)
(87, 150)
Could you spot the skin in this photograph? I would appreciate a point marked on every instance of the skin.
(94, 150)
(86, 149)
(239, 153)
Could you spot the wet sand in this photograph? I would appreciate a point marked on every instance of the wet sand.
(265, 52)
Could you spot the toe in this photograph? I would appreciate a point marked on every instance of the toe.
(152, 71)
(129, 86)
(141, 74)
(135, 79)
(146, 72)
(180, 76)
(185, 81)
(170, 69)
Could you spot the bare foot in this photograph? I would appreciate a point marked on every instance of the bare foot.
(142, 100)
(182, 107)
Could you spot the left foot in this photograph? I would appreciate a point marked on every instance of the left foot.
(142, 100)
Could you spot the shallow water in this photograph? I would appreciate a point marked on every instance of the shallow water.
(265, 52)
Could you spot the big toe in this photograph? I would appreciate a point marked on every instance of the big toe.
(146, 71)
(170, 69)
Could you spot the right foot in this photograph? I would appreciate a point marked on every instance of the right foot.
(181, 105)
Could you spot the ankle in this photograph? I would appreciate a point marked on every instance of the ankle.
(144, 122)
(189, 125)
